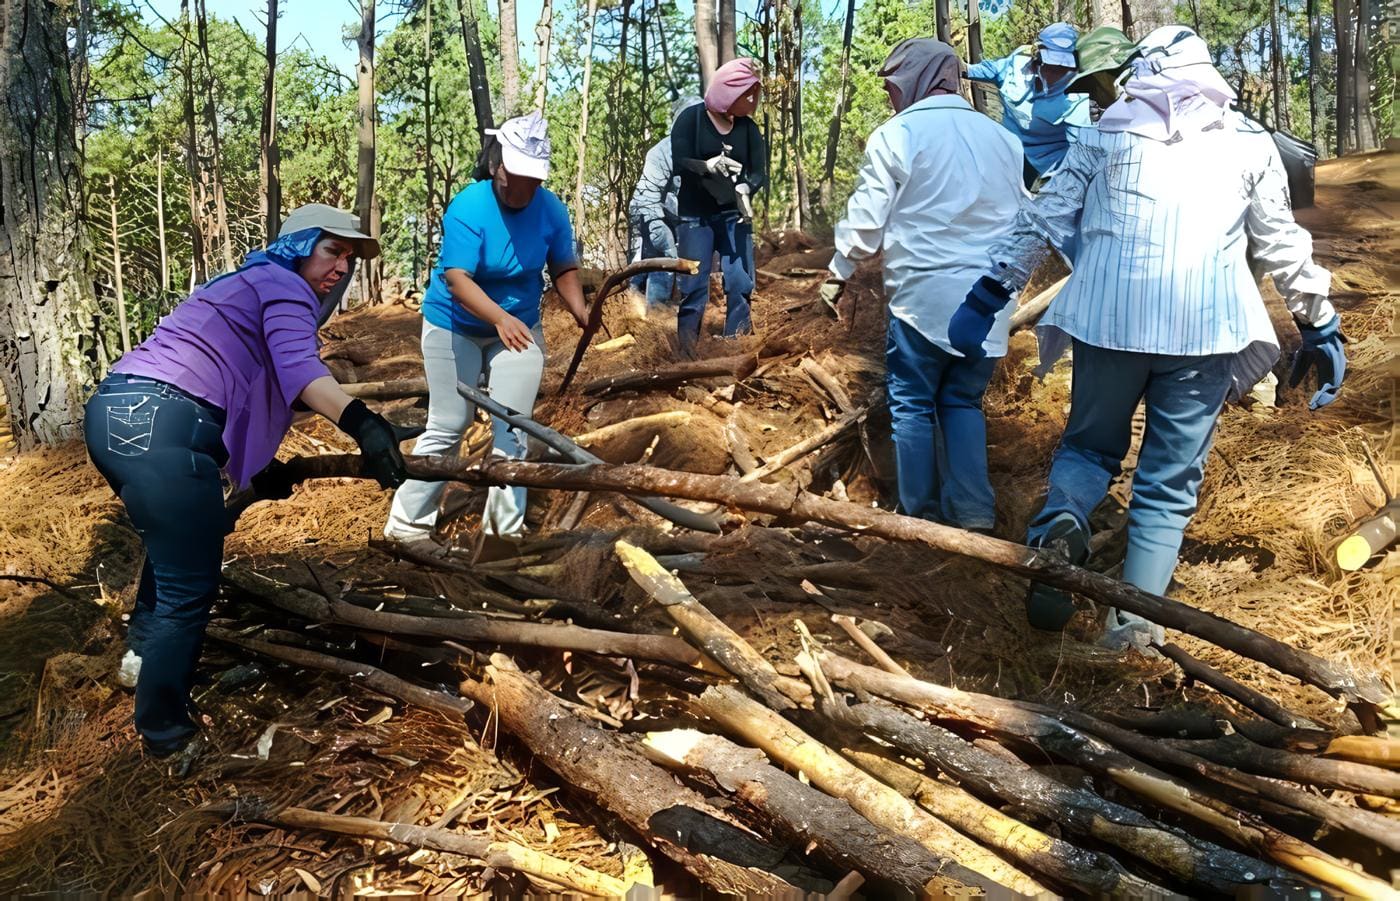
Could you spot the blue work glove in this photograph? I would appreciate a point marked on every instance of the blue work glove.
(973, 320)
(1323, 351)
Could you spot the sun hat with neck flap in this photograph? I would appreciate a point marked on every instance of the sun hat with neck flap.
(525, 147)
(1055, 44)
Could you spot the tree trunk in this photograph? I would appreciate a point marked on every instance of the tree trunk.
(706, 40)
(544, 31)
(1105, 12)
(643, 40)
(581, 141)
(476, 69)
(117, 267)
(1363, 117)
(1127, 19)
(1346, 79)
(728, 40)
(160, 220)
(802, 206)
(666, 54)
(367, 118)
(211, 121)
(51, 349)
(429, 206)
(510, 60)
(267, 139)
(944, 21)
(838, 112)
(1314, 70)
(974, 51)
(199, 263)
(1278, 68)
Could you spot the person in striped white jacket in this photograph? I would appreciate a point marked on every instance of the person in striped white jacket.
(1182, 205)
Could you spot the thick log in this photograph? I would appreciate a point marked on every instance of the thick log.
(1369, 538)
(1193, 861)
(1260, 703)
(610, 284)
(676, 820)
(391, 390)
(1089, 873)
(710, 633)
(372, 677)
(897, 865)
(666, 419)
(468, 627)
(498, 855)
(737, 367)
(993, 713)
(756, 725)
(1373, 749)
(1336, 678)
(828, 383)
(689, 519)
(1238, 751)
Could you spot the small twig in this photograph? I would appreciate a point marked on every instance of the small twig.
(41, 580)
(868, 645)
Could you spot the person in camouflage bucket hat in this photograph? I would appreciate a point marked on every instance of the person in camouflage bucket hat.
(1103, 54)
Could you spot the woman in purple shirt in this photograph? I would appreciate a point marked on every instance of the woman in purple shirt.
(214, 387)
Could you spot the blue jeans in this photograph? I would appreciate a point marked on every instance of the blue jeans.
(940, 434)
(701, 239)
(1184, 396)
(161, 451)
(656, 242)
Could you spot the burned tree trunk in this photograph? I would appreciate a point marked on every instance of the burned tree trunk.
(838, 112)
(51, 349)
(476, 68)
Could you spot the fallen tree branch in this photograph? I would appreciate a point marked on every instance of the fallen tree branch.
(789, 455)
(1241, 753)
(737, 367)
(373, 677)
(1336, 678)
(666, 419)
(756, 725)
(689, 519)
(390, 390)
(1260, 703)
(469, 627)
(676, 820)
(495, 854)
(595, 312)
(888, 859)
(1029, 313)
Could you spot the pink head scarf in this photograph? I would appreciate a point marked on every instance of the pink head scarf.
(731, 81)
(1174, 91)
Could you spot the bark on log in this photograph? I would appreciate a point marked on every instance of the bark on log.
(666, 419)
(700, 522)
(709, 633)
(756, 725)
(791, 454)
(889, 860)
(678, 821)
(469, 627)
(828, 383)
(1373, 749)
(1238, 751)
(1193, 861)
(451, 706)
(737, 367)
(1337, 679)
(499, 855)
(390, 390)
(1260, 703)
(595, 312)
(986, 711)
(1089, 873)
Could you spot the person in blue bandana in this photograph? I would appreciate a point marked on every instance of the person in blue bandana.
(1036, 106)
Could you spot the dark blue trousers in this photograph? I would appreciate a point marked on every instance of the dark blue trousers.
(700, 240)
(161, 451)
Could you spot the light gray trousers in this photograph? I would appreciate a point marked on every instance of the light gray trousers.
(511, 377)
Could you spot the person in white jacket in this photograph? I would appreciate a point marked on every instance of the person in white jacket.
(940, 184)
(1181, 204)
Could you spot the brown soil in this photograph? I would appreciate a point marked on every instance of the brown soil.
(82, 810)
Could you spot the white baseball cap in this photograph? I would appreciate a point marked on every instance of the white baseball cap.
(524, 145)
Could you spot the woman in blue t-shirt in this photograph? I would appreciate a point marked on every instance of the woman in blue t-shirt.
(481, 313)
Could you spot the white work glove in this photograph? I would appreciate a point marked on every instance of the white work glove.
(745, 203)
(831, 293)
(723, 165)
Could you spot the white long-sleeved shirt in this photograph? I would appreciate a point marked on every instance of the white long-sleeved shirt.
(1173, 240)
(940, 184)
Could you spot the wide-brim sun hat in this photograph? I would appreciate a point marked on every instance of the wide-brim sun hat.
(332, 221)
(1105, 49)
(525, 148)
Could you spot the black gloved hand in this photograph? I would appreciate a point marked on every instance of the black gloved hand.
(274, 483)
(378, 441)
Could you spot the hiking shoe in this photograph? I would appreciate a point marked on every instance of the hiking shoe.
(1047, 607)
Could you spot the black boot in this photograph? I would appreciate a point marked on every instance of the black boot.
(1047, 607)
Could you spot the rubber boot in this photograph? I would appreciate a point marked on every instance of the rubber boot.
(1047, 607)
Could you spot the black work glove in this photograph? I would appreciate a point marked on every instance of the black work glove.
(378, 441)
(274, 483)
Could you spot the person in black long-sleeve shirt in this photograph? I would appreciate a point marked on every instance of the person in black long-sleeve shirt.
(721, 158)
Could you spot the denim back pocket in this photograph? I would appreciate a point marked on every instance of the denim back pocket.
(129, 426)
